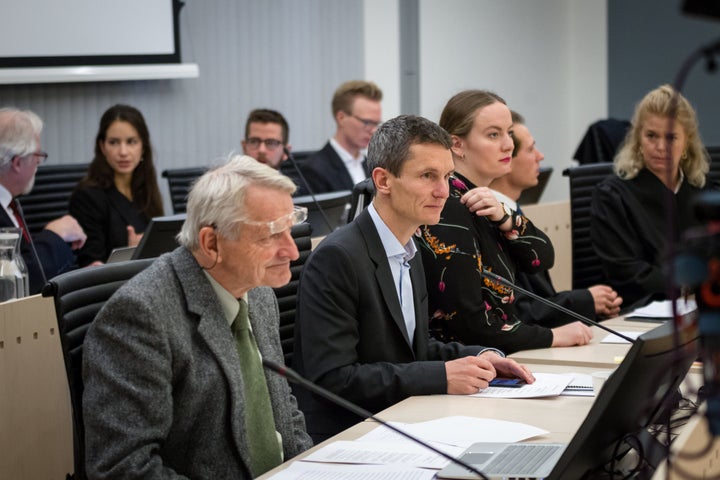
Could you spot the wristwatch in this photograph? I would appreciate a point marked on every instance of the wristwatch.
(508, 211)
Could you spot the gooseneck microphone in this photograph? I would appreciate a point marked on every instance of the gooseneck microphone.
(502, 280)
(292, 160)
(292, 376)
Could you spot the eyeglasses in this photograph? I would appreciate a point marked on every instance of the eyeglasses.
(39, 154)
(369, 124)
(297, 216)
(270, 143)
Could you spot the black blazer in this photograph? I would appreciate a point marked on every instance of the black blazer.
(53, 254)
(350, 335)
(325, 172)
(529, 310)
(104, 214)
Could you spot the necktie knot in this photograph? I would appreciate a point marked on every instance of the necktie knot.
(242, 321)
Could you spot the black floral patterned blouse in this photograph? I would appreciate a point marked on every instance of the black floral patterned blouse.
(464, 306)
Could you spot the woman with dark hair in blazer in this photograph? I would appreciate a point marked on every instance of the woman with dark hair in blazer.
(119, 194)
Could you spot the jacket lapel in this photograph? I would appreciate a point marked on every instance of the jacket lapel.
(214, 329)
(383, 275)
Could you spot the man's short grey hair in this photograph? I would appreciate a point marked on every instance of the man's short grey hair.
(389, 146)
(217, 198)
(19, 134)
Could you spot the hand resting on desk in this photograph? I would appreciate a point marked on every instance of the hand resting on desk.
(467, 375)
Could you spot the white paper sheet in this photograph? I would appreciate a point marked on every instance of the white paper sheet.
(663, 309)
(546, 385)
(324, 471)
(383, 453)
(458, 431)
(612, 338)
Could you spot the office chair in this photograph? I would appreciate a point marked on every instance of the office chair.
(179, 182)
(586, 266)
(287, 294)
(362, 195)
(78, 296)
(50, 196)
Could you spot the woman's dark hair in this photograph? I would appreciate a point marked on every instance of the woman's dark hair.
(144, 186)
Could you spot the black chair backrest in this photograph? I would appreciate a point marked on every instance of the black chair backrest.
(586, 267)
(362, 195)
(714, 173)
(179, 182)
(50, 196)
(78, 296)
(287, 295)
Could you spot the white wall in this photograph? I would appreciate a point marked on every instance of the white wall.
(547, 59)
(382, 51)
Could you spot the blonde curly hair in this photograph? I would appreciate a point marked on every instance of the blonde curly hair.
(695, 165)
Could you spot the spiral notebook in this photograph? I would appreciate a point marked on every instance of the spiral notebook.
(580, 386)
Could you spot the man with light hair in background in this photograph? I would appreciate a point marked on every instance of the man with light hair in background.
(341, 163)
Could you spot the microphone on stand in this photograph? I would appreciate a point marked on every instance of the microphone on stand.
(294, 377)
(497, 278)
(291, 158)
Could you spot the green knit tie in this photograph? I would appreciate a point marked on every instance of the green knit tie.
(263, 445)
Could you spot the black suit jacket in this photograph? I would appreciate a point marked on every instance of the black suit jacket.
(53, 254)
(325, 171)
(350, 336)
(104, 215)
(579, 300)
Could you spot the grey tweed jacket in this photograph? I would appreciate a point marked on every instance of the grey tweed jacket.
(163, 389)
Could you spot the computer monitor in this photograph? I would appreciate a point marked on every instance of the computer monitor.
(159, 236)
(333, 204)
(633, 398)
(532, 195)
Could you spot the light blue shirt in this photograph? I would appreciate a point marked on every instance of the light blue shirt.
(399, 257)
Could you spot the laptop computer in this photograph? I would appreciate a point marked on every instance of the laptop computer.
(503, 460)
(121, 254)
(159, 236)
(633, 398)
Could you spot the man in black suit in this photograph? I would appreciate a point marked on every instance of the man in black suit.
(20, 156)
(341, 163)
(362, 321)
(595, 301)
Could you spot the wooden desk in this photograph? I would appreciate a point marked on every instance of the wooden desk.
(540, 412)
(595, 354)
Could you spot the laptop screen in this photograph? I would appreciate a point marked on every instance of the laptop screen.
(159, 236)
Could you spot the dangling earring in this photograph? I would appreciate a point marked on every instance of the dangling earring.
(640, 154)
(684, 155)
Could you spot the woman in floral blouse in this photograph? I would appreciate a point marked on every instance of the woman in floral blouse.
(477, 232)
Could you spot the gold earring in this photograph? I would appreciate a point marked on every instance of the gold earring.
(684, 155)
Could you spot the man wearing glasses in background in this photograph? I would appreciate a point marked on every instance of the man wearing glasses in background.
(266, 137)
(173, 380)
(341, 163)
(49, 252)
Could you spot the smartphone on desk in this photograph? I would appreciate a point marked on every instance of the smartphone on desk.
(507, 382)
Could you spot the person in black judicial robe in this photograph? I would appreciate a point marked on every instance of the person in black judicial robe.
(105, 214)
(630, 212)
(119, 195)
(20, 146)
